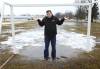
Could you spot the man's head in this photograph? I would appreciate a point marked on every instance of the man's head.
(49, 13)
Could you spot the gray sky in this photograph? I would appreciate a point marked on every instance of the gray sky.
(40, 10)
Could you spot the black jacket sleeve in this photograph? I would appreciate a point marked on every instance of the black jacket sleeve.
(41, 23)
(60, 22)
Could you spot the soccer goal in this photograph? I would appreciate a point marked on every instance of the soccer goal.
(42, 5)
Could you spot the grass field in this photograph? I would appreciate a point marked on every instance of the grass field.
(86, 60)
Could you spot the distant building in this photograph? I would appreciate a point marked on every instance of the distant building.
(23, 17)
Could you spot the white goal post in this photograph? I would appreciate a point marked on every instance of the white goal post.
(43, 5)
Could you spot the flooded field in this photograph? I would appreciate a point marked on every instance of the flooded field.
(74, 49)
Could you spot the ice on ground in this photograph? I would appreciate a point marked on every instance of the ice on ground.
(36, 38)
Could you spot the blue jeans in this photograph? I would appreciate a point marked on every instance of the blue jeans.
(53, 45)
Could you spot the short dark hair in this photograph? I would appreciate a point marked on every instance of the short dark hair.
(48, 11)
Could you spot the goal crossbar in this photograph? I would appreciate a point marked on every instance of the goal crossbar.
(48, 5)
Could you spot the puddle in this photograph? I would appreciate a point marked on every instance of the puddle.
(37, 52)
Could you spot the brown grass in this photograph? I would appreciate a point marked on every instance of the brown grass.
(90, 60)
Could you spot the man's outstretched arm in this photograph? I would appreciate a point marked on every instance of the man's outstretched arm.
(60, 22)
(41, 23)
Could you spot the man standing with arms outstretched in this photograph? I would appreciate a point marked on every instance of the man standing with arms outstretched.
(50, 31)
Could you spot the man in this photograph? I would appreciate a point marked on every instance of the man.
(50, 32)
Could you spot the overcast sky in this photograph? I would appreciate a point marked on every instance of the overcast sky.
(40, 10)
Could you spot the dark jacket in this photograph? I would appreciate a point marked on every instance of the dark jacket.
(50, 25)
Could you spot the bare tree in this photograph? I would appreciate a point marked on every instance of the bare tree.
(95, 8)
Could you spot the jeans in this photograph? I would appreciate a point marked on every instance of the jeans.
(53, 45)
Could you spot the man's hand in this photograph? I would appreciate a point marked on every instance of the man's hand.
(66, 18)
(38, 20)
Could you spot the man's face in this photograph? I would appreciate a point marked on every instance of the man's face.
(49, 14)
